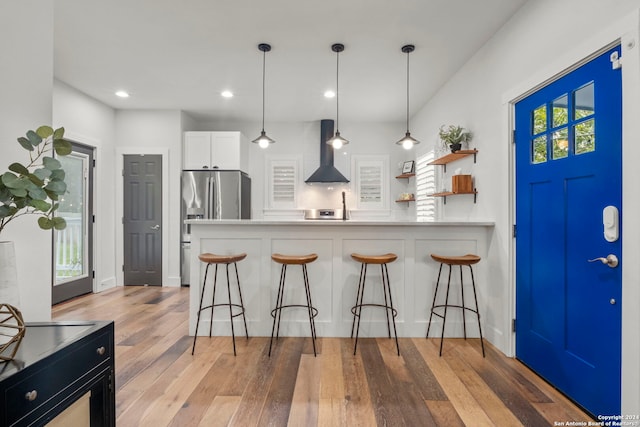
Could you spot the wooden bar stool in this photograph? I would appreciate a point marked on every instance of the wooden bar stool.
(276, 313)
(381, 260)
(226, 260)
(467, 260)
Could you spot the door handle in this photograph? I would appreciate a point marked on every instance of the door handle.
(155, 227)
(611, 260)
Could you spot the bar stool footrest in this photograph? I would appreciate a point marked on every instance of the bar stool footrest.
(387, 307)
(239, 313)
(452, 306)
(314, 311)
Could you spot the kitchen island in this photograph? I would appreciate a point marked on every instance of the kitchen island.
(334, 275)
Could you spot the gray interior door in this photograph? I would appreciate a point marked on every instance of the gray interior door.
(73, 246)
(142, 220)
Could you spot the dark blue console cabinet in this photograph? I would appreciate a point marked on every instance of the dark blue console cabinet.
(58, 363)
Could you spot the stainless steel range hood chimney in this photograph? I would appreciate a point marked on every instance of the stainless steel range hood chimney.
(326, 173)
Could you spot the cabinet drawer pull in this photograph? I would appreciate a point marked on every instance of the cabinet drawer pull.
(31, 395)
(100, 350)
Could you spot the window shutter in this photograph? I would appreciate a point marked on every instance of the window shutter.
(371, 182)
(426, 206)
(282, 183)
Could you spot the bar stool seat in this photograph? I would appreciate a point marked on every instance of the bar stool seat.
(210, 259)
(374, 259)
(294, 259)
(462, 260)
(356, 310)
(276, 313)
(221, 259)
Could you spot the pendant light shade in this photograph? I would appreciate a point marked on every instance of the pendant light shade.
(337, 141)
(263, 140)
(408, 141)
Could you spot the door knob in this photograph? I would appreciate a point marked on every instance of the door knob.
(611, 260)
(155, 227)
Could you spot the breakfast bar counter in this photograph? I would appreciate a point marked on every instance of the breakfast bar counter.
(334, 275)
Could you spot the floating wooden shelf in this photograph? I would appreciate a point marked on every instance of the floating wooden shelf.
(446, 194)
(405, 200)
(452, 157)
(405, 175)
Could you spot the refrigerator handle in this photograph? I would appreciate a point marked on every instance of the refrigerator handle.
(207, 211)
(211, 198)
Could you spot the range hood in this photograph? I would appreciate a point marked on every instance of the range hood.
(326, 173)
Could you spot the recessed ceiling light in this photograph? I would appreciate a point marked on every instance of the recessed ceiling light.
(122, 94)
(329, 94)
(227, 94)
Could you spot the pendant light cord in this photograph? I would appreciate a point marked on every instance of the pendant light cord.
(264, 54)
(337, 92)
(408, 92)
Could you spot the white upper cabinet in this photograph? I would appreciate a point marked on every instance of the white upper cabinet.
(215, 150)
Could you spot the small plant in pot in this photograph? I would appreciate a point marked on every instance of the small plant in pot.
(454, 136)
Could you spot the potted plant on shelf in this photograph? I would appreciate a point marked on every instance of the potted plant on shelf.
(30, 188)
(454, 136)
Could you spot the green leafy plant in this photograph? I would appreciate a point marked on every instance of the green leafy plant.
(454, 134)
(34, 188)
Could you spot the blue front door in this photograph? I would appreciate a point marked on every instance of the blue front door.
(568, 170)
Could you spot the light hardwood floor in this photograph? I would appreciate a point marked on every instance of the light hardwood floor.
(159, 383)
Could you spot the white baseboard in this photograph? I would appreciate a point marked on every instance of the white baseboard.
(173, 282)
(107, 283)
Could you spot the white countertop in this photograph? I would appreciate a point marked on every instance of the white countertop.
(325, 222)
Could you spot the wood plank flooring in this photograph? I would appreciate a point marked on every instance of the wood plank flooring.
(159, 383)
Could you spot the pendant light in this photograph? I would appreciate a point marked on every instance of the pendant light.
(263, 140)
(408, 141)
(337, 141)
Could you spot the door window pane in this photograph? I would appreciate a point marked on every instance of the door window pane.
(560, 111)
(539, 120)
(585, 136)
(70, 250)
(540, 149)
(560, 143)
(583, 99)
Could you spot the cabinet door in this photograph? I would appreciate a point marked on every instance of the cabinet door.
(225, 150)
(197, 150)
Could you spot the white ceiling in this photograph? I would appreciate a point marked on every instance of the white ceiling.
(180, 54)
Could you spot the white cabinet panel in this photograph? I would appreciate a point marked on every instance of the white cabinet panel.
(333, 277)
(221, 150)
(197, 150)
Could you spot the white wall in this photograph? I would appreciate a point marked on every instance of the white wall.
(304, 139)
(90, 122)
(27, 79)
(631, 203)
(521, 55)
(154, 132)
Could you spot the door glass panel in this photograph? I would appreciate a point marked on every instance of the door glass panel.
(585, 136)
(583, 99)
(560, 111)
(70, 243)
(539, 120)
(540, 149)
(560, 143)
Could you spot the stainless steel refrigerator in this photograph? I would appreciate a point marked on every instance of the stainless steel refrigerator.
(211, 194)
